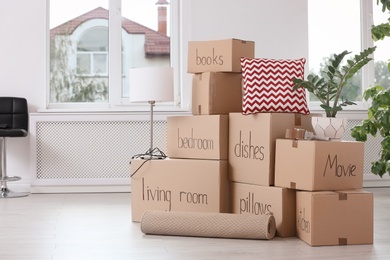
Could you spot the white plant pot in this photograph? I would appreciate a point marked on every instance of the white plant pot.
(329, 127)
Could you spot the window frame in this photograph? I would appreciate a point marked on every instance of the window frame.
(368, 71)
(116, 102)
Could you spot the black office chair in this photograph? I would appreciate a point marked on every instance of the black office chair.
(13, 123)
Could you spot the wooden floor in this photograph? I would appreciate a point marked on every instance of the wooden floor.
(98, 226)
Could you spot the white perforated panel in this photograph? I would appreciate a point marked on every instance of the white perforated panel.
(92, 149)
(371, 146)
(86, 150)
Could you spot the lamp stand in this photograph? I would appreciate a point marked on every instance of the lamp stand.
(152, 102)
(151, 153)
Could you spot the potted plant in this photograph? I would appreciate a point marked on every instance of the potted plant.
(327, 87)
(378, 114)
(378, 121)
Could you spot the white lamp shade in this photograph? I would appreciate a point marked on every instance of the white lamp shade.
(151, 84)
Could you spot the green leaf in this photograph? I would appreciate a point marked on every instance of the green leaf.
(326, 107)
(378, 168)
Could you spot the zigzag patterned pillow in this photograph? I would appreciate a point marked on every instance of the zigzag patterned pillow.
(268, 86)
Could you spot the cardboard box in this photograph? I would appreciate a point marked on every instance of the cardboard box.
(219, 55)
(252, 145)
(335, 218)
(179, 185)
(319, 165)
(264, 200)
(216, 93)
(198, 137)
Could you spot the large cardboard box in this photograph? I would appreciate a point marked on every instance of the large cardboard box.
(335, 218)
(198, 137)
(179, 185)
(319, 165)
(216, 93)
(265, 200)
(252, 145)
(218, 55)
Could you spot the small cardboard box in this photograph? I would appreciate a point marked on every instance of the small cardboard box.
(319, 165)
(252, 145)
(266, 200)
(218, 55)
(216, 93)
(198, 137)
(327, 218)
(179, 185)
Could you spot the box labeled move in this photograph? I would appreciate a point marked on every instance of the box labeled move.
(179, 185)
(218, 55)
(216, 93)
(252, 145)
(198, 137)
(319, 165)
(327, 218)
(266, 200)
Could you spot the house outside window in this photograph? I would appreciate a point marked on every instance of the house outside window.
(80, 54)
(92, 52)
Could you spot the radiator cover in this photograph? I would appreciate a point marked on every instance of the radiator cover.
(88, 150)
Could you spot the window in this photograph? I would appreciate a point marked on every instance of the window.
(92, 52)
(329, 34)
(382, 53)
(93, 46)
(352, 33)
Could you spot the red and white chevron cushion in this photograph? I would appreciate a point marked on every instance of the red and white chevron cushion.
(268, 86)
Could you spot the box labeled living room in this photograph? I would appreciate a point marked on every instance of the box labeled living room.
(179, 185)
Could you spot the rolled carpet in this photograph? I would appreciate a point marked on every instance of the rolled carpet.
(200, 224)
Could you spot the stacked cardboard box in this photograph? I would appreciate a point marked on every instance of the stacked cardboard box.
(195, 176)
(223, 161)
(252, 143)
(216, 75)
(179, 185)
(331, 208)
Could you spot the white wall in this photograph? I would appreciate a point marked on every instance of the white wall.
(275, 26)
(22, 71)
(278, 27)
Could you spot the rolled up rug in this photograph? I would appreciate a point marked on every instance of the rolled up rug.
(201, 224)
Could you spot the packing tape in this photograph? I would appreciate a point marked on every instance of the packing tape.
(295, 133)
(343, 241)
(206, 224)
(293, 185)
(302, 134)
(343, 196)
(298, 120)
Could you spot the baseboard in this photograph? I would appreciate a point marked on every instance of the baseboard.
(81, 189)
(371, 180)
(26, 187)
(19, 186)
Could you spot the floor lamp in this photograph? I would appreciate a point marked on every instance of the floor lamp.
(151, 84)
